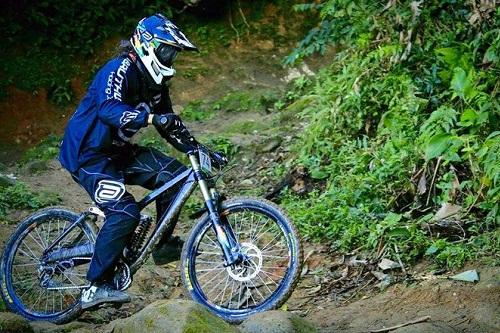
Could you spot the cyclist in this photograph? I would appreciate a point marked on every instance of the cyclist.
(128, 93)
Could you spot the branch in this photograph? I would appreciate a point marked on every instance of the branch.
(415, 321)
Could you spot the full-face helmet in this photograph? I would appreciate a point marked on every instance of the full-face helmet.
(157, 41)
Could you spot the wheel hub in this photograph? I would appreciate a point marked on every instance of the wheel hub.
(251, 265)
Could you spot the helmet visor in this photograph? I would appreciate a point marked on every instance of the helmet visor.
(166, 54)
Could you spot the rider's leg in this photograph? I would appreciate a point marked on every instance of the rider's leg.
(105, 185)
(151, 169)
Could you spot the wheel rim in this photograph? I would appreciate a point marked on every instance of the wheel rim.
(250, 285)
(43, 289)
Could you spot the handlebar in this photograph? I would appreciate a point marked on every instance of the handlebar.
(217, 157)
(183, 141)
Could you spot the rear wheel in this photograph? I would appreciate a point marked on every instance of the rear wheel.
(35, 288)
(267, 276)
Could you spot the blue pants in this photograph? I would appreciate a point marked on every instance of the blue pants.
(104, 180)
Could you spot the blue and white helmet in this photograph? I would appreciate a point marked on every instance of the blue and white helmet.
(157, 41)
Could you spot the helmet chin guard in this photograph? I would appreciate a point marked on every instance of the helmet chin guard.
(157, 41)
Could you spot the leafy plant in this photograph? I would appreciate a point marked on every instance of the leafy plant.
(196, 111)
(223, 144)
(19, 196)
(47, 149)
(403, 120)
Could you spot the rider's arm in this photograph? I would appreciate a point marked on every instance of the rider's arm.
(112, 110)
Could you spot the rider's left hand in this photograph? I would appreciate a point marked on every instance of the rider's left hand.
(219, 158)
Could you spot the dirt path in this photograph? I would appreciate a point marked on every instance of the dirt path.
(451, 306)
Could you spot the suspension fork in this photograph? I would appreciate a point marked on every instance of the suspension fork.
(223, 231)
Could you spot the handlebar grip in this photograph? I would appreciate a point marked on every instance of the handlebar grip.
(219, 158)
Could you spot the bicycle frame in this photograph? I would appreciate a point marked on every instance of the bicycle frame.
(188, 178)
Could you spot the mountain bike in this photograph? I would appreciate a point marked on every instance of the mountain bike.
(242, 256)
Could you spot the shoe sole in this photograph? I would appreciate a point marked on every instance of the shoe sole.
(86, 306)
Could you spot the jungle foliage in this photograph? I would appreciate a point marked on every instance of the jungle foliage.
(403, 123)
(46, 37)
(19, 196)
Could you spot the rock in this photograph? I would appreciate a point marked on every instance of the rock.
(12, 323)
(426, 328)
(271, 145)
(35, 167)
(47, 327)
(447, 210)
(54, 164)
(246, 182)
(276, 322)
(386, 264)
(152, 278)
(467, 276)
(265, 45)
(173, 316)
(7, 180)
(294, 73)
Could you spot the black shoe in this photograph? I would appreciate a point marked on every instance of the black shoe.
(102, 293)
(168, 251)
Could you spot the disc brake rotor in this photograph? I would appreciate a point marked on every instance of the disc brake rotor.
(250, 267)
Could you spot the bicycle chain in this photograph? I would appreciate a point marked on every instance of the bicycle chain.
(72, 287)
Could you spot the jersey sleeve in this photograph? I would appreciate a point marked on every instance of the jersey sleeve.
(112, 91)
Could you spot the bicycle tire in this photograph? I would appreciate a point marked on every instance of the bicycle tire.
(7, 291)
(281, 294)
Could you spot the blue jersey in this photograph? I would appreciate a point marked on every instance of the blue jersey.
(116, 106)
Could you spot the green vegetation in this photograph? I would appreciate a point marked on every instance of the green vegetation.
(46, 150)
(234, 101)
(196, 111)
(46, 39)
(221, 143)
(47, 49)
(247, 127)
(238, 101)
(18, 196)
(403, 122)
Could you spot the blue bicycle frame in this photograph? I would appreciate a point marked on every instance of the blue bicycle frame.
(188, 179)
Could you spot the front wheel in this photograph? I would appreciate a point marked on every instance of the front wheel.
(263, 281)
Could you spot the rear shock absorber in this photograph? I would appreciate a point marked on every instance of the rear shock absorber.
(138, 238)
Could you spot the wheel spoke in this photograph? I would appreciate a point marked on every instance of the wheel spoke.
(38, 285)
(213, 278)
(266, 251)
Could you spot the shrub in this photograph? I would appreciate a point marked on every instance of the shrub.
(402, 121)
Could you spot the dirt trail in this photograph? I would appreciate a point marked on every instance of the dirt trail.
(451, 306)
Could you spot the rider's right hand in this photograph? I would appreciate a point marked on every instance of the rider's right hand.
(166, 122)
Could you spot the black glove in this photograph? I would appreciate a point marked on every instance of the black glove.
(173, 130)
(219, 158)
(166, 122)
